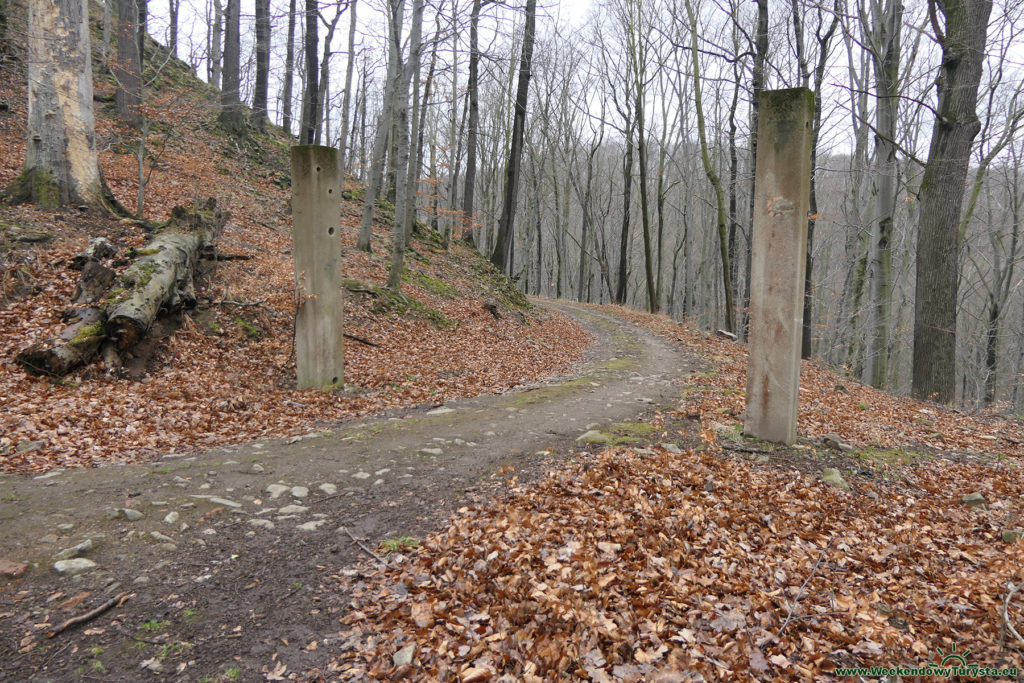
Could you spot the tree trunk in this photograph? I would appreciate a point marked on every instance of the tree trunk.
(627, 189)
(806, 333)
(289, 72)
(346, 102)
(142, 28)
(259, 95)
(884, 31)
(160, 279)
(404, 193)
(472, 87)
(61, 163)
(126, 70)
(172, 42)
(231, 110)
(503, 245)
(322, 121)
(310, 43)
(380, 140)
(942, 193)
(713, 178)
(216, 54)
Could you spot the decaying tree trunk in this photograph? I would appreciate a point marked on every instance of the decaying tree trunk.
(160, 279)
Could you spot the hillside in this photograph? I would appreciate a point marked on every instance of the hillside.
(224, 372)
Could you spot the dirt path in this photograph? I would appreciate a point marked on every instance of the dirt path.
(224, 553)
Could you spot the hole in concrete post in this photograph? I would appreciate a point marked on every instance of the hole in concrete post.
(334, 380)
(330, 231)
(317, 169)
(330, 190)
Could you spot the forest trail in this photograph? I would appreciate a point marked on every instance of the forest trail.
(233, 540)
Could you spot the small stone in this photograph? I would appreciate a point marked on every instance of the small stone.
(836, 442)
(75, 550)
(29, 446)
(131, 514)
(261, 523)
(74, 566)
(205, 486)
(163, 538)
(763, 460)
(158, 503)
(257, 468)
(277, 490)
(378, 482)
(295, 439)
(311, 526)
(830, 475)
(153, 664)
(230, 462)
(361, 475)
(292, 510)
(648, 401)
(672, 448)
(593, 436)
(299, 491)
(459, 442)
(141, 580)
(542, 454)
(382, 472)
(327, 489)
(168, 547)
(180, 481)
(593, 425)
(430, 451)
(49, 539)
(225, 502)
(404, 656)
(974, 500)
(1009, 535)
(489, 434)
(12, 570)
(172, 518)
(440, 411)
(49, 475)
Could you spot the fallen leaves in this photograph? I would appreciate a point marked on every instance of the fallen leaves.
(702, 586)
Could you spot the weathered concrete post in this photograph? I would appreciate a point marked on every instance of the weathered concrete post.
(781, 198)
(319, 343)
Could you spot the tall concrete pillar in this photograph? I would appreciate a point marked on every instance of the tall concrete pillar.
(781, 197)
(319, 344)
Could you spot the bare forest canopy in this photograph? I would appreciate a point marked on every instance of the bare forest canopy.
(636, 164)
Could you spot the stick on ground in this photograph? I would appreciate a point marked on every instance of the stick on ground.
(90, 615)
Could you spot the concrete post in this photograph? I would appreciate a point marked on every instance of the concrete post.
(779, 259)
(319, 344)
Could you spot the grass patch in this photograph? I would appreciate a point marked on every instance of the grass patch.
(429, 284)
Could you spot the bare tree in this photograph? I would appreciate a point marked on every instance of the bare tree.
(502, 250)
(942, 191)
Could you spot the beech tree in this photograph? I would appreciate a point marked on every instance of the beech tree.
(962, 38)
(502, 247)
(127, 69)
(259, 96)
(61, 162)
(231, 109)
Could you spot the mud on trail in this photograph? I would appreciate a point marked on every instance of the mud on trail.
(222, 561)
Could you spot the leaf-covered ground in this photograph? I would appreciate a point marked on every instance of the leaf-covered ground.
(703, 564)
(227, 374)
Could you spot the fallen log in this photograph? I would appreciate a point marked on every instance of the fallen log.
(160, 279)
(75, 346)
(163, 276)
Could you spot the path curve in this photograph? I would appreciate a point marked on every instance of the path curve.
(395, 475)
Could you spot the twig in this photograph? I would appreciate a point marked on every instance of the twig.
(229, 302)
(1006, 612)
(364, 548)
(89, 616)
(800, 593)
(359, 339)
(744, 449)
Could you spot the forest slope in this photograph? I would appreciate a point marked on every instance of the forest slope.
(224, 372)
